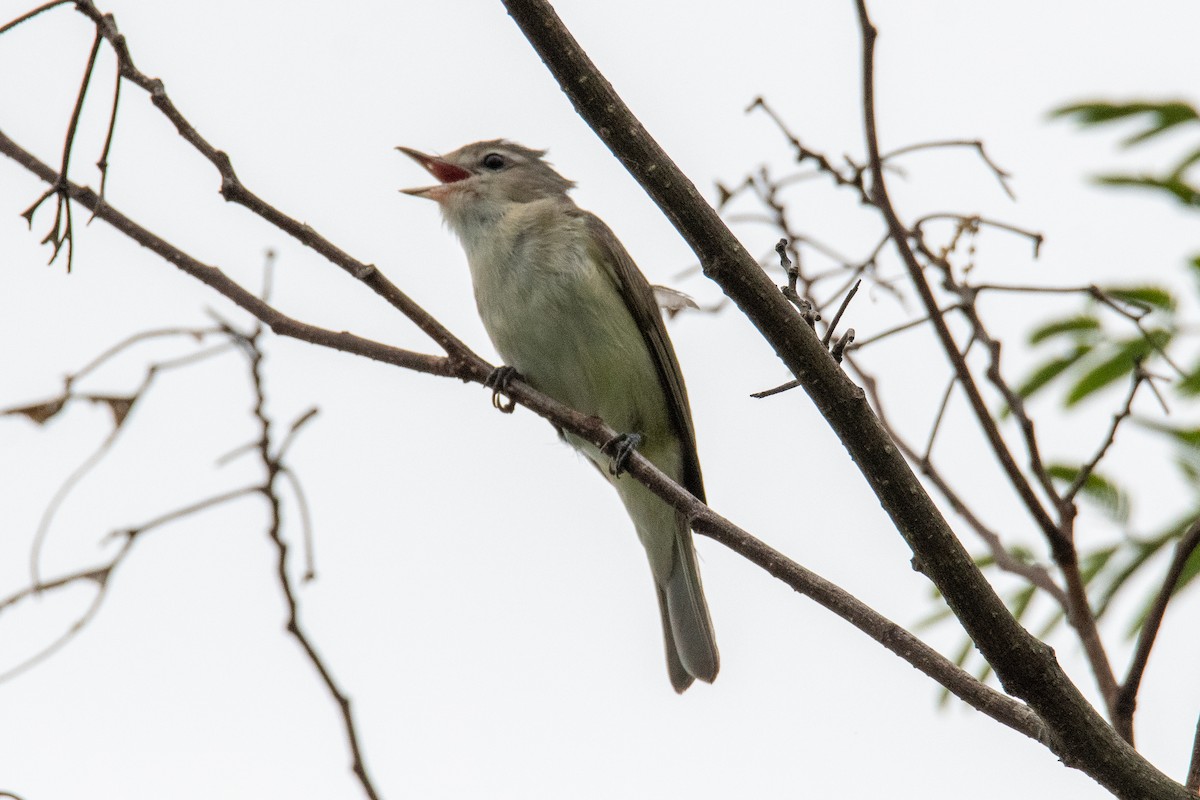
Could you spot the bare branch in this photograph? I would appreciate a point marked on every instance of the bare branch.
(463, 364)
(269, 456)
(1193, 775)
(1089, 469)
(1126, 702)
(588, 428)
(100, 576)
(906, 326)
(89, 463)
(1001, 176)
(975, 221)
(941, 411)
(1001, 555)
(837, 317)
(28, 15)
(1025, 665)
(824, 165)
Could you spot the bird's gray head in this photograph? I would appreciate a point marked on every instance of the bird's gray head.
(481, 179)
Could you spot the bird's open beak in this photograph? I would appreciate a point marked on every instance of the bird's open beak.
(448, 174)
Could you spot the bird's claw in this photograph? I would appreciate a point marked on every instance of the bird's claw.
(498, 382)
(620, 447)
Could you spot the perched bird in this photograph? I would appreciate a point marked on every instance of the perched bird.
(566, 307)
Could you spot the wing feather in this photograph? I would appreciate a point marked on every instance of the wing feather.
(639, 298)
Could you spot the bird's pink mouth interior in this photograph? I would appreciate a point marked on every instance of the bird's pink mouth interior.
(446, 172)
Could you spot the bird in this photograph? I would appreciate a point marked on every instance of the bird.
(569, 311)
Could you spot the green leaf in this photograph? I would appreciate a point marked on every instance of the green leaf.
(1187, 162)
(1189, 385)
(1048, 372)
(964, 652)
(1161, 116)
(1018, 604)
(940, 614)
(1190, 467)
(1185, 437)
(1022, 554)
(960, 660)
(1111, 498)
(1141, 552)
(1112, 368)
(1091, 563)
(1183, 192)
(1055, 618)
(1071, 325)
(1151, 296)
(1191, 569)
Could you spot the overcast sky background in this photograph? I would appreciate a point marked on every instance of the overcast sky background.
(481, 595)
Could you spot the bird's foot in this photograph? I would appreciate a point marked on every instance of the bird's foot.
(620, 447)
(498, 382)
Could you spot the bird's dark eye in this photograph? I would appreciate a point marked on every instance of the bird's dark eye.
(494, 161)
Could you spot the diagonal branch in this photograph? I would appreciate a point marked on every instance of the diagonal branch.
(465, 363)
(1006, 710)
(270, 459)
(1003, 557)
(1026, 666)
(1061, 544)
(1126, 702)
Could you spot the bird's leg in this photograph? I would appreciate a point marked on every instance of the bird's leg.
(498, 381)
(620, 447)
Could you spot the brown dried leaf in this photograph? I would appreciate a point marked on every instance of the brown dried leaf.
(119, 406)
(39, 412)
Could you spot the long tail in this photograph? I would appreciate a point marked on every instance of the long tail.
(687, 629)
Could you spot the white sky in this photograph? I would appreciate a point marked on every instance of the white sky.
(481, 596)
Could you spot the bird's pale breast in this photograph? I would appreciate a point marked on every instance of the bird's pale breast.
(559, 319)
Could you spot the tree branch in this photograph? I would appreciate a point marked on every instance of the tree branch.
(591, 429)
(270, 460)
(1026, 666)
(1126, 701)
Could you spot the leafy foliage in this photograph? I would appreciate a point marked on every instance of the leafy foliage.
(1099, 354)
(1155, 120)
(1120, 332)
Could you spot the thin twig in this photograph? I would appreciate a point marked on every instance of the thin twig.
(306, 525)
(1074, 720)
(841, 310)
(28, 15)
(1001, 176)
(1088, 469)
(273, 467)
(1193, 775)
(1003, 558)
(194, 333)
(941, 412)
(463, 364)
(468, 366)
(102, 162)
(100, 576)
(94, 458)
(783, 387)
(1131, 310)
(1037, 238)
(854, 180)
(1126, 702)
(62, 231)
(906, 326)
(233, 190)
